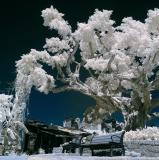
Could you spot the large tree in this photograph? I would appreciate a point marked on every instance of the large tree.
(115, 65)
(98, 59)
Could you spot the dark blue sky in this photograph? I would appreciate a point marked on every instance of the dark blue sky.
(54, 108)
(21, 29)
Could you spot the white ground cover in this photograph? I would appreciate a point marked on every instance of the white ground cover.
(150, 133)
(71, 157)
(132, 156)
(148, 136)
(60, 157)
(14, 157)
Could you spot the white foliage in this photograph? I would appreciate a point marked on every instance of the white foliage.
(121, 61)
(5, 104)
(150, 133)
(27, 64)
(42, 56)
(53, 19)
(134, 35)
(152, 21)
(40, 80)
(84, 32)
(5, 100)
(61, 59)
(98, 64)
(55, 45)
(89, 40)
(101, 20)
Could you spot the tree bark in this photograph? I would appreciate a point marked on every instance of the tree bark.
(138, 121)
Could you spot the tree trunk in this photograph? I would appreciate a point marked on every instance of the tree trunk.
(138, 121)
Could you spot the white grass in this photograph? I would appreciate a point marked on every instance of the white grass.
(133, 156)
(60, 157)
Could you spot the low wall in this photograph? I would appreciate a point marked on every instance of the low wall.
(145, 147)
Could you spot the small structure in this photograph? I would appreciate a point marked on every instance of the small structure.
(72, 123)
(46, 137)
(110, 125)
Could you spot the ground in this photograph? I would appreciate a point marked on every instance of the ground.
(72, 157)
(145, 142)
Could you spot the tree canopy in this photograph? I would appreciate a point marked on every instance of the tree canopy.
(115, 65)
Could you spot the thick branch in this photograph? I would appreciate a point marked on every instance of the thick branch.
(109, 69)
